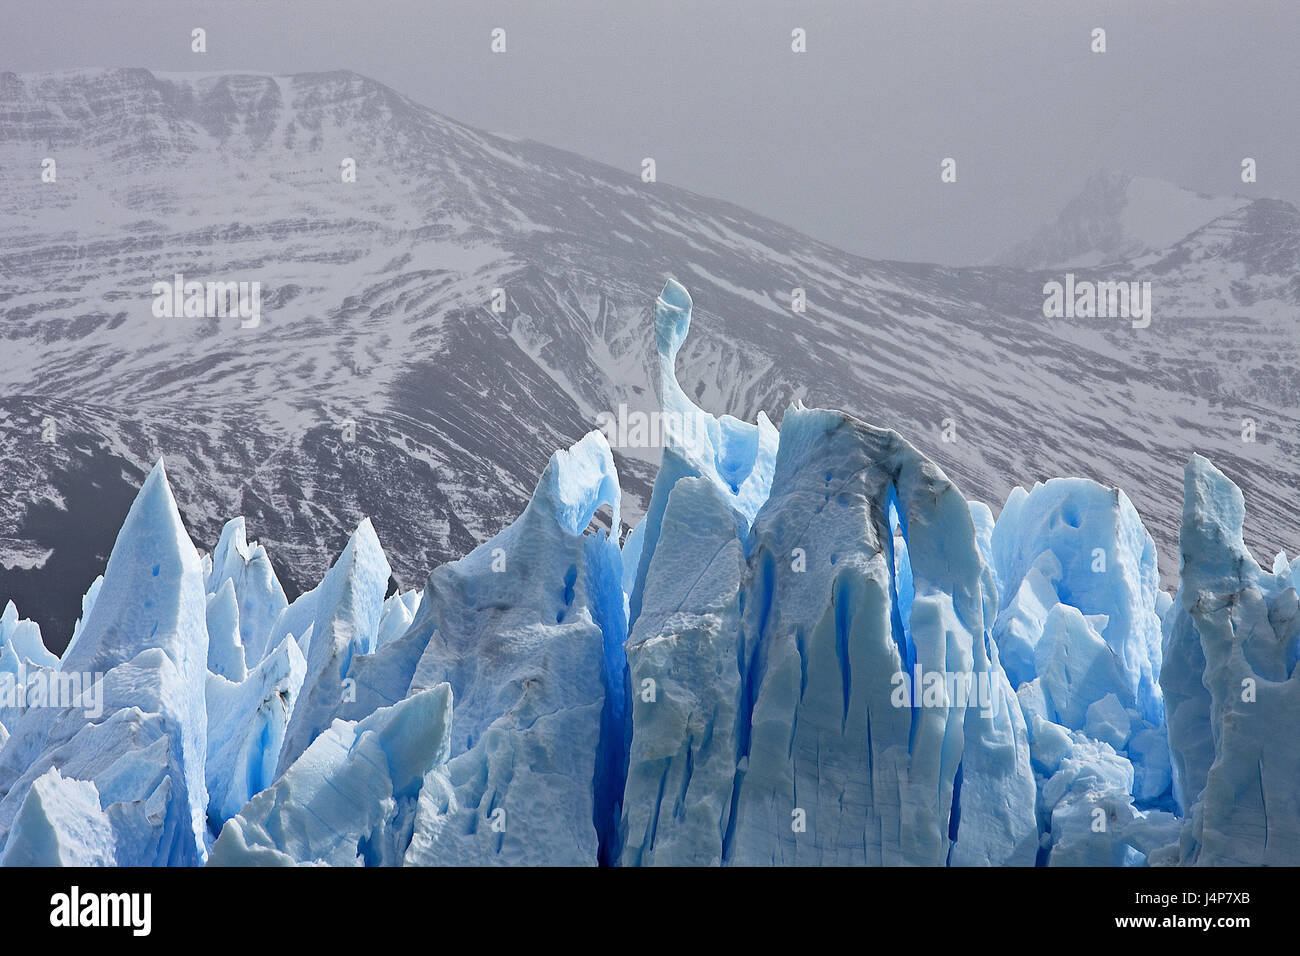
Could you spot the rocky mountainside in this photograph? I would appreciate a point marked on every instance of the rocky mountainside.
(382, 382)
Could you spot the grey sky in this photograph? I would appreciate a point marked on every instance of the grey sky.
(842, 142)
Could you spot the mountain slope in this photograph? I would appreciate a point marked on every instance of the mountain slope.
(377, 311)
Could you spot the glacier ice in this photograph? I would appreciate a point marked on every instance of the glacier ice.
(735, 456)
(811, 650)
(20, 642)
(1231, 644)
(225, 647)
(350, 798)
(685, 686)
(1089, 544)
(528, 631)
(844, 757)
(145, 646)
(398, 613)
(61, 823)
(259, 598)
(347, 607)
(247, 720)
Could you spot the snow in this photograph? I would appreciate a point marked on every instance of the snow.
(1119, 217)
(1157, 213)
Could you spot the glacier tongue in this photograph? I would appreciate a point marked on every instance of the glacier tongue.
(812, 650)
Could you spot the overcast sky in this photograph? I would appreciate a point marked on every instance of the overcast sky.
(842, 142)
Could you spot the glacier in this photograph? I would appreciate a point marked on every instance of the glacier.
(811, 650)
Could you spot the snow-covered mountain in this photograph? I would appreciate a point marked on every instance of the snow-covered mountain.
(378, 310)
(1117, 216)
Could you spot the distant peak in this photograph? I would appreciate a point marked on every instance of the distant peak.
(1118, 216)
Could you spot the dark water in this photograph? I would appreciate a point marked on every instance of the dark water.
(98, 491)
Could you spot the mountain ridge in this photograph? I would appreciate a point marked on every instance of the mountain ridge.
(378, 310)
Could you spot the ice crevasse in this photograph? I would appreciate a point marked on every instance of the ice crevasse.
(812, 650)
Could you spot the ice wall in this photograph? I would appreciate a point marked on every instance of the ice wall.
(812, 650)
